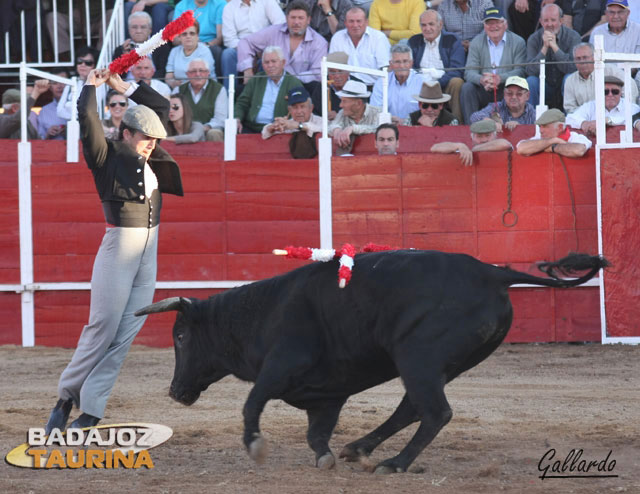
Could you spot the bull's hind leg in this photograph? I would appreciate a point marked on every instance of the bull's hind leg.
(424, 382)
(404, 415)
(322, 421)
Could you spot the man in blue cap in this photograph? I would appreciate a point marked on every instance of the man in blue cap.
(494, 56)
(300, 116)
(620, 34)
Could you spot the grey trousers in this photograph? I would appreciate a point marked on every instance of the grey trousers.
(123, 281)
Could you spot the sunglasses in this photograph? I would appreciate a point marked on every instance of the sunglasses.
(435, 106)
(85, 61)
(175, 107)
(615, 92)
(116, 103)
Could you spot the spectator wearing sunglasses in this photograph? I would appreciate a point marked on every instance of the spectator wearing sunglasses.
(431, 112)
(584, 118)
(86, 58)
(182, 128)
(117, 104)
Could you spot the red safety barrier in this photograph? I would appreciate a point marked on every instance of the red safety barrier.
(234, 213)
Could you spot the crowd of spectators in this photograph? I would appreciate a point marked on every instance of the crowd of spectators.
(451, 62)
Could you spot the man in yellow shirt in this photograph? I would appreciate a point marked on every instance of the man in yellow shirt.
(397, 19)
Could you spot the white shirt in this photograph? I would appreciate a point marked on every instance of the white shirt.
(574, 138)
(159, 86)
(401, 96)
(239, 20)
(628, 41)
(495, 51)
(431, 61)
(587, 112)
(372, 51)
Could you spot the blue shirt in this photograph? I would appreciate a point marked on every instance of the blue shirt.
(208, 16)
(48, 117)
(401, 96)
(265, 115)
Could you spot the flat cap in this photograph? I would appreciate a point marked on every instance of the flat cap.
(145, 120)
(612, 79)
(338, 57)
(483, 127)
(11, 96)
(550, 116)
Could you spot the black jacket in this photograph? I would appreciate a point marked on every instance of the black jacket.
(116, 168)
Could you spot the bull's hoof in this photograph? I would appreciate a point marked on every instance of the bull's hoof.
(326, 462)
(258, 449)
(386, 470)
(351, 454)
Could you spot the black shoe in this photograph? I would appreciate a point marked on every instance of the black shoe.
(59, 416)
(84, 420)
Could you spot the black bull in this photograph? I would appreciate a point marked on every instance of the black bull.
(425, 316)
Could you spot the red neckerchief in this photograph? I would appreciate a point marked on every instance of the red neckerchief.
(565, 134)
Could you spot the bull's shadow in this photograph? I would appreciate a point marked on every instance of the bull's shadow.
(425, 316)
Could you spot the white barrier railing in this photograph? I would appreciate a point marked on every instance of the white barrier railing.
(114, 37)
(40, 35)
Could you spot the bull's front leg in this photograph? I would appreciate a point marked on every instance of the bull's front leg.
(272, 382)
(322, 421)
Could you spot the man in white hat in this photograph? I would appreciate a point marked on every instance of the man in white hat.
(513, 109)
(130, 176)
(554, 138)
(355, 118)
(431, 112)
(483, 138)
(584, 117)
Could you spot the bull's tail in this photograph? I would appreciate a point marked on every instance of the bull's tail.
(567, 266)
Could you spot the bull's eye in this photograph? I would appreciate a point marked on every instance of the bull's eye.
(179, 337)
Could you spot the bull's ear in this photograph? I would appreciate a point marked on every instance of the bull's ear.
(166, 305)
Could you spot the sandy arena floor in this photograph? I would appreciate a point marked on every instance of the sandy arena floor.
(508, 412)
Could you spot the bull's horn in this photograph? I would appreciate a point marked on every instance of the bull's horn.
(166, 305)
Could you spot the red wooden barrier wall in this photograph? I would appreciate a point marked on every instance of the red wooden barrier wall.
(235, 213)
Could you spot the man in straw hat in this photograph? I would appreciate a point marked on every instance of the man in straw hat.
(130, 176)
(355, 118)
(483, 137)
(513, 109)
(431, 112)
(433, 51)
(555, 138)
(584, 117)
(336, 81)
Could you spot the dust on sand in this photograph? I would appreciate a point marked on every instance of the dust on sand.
(508, 412)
